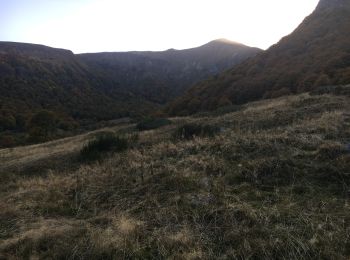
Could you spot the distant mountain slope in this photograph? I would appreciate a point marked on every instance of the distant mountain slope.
(105, 85)
(88, 88)
(160, 76)
(36, 77)
(317, 53)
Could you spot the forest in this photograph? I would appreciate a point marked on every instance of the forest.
(84, 91)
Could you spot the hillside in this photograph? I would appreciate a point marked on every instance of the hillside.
(85, 89)
(36, 77)
(316, 54)
(161, 76)
(264, 180)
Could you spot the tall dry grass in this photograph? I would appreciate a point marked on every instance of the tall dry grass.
(273, 183)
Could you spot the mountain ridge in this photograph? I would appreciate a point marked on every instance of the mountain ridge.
(332, 4)
(176, 70)
(85, 89)
(316, 53)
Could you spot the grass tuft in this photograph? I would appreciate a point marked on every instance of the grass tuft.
(189, 131)
(152, 123)
(102, 144)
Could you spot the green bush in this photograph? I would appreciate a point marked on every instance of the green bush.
(188, 131)
(102, 144)
(152, 123)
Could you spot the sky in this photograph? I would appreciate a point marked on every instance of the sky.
(127, 25)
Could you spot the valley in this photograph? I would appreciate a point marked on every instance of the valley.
(80, 91)
(221, 151)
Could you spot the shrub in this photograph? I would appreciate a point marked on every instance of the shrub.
(332, 90)
(188, 131)
(45, 120)
(107, 142)
(7, 122)
(37, 135)
(219, 111)
(7, 141)
(226, 109)
(267, 171)
(330, 151)
(42, 126)
(152, 123)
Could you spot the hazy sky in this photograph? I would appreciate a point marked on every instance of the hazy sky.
(123, 25)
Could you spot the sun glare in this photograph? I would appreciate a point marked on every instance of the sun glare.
(109, 25)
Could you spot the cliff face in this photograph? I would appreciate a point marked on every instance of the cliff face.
(35, 51)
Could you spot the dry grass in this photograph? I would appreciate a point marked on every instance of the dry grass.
(21, 157)
(274, 183)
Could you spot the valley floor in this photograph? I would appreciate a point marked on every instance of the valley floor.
(274, 182)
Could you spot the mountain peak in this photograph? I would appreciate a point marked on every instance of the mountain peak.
(224, 41)
(316, 54)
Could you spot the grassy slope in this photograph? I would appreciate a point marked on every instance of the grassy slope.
(274, 183)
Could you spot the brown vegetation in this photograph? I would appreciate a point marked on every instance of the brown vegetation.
(273, 183)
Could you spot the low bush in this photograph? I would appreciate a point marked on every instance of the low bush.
(104, 143)
(188, 131)
(7, 141)
(152, 123)
(331, 151)
(219, 111)
(332, 90)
